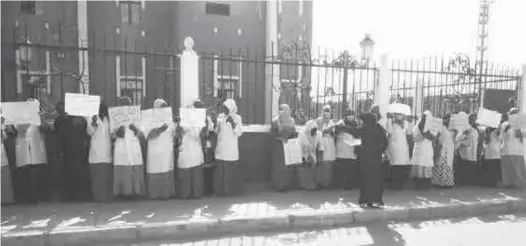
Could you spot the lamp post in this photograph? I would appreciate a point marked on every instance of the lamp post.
(367, 47)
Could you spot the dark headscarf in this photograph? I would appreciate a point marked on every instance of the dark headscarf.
(103, 111)
(369, 119)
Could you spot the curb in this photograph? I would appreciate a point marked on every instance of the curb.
(206, 228)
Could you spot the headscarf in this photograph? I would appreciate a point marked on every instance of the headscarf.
(103, 110)
(426, 115)
(513, 111)
(159, 103)
(231, 105)
(124, 101)
(369, 119)
(286, 118)
(307, 139)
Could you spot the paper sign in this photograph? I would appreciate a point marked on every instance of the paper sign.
(433, 124)
(82, 104)
(349, 140)
(156, 117)
(123, 116)
(16, 113)
(292, 152)
(489, 118)
(518, 121)
(193, 117)
(459, 122)
(398, 108)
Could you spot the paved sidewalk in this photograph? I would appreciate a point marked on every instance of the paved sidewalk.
(119, 222)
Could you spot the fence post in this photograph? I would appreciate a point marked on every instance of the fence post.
(381, 90)
(189, 74)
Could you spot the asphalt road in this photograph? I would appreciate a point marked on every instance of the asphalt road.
(489, 230)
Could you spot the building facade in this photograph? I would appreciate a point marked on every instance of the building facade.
(117, 48)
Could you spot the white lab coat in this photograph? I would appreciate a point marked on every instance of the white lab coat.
(398, 149)
(344, 151)
(100, 147)
(329, 146)
(511, 144)
(423, 149)
(128, 150)
(30, 147)
(190, 151)
(227, 138)
(160, 152)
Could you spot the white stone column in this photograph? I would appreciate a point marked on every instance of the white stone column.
(189, 74)
(82, 26)
(381, 90)
(272, 76)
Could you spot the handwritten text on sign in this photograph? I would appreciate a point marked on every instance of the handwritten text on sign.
(459, 122)
(398, 108)
(21, 113)
(193, 117)
(82, 105)
(489, 118)
(156, 117)
(518, 121)
(123, 116)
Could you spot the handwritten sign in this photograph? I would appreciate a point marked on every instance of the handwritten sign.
(82, 105)
(489, 118)
(16, 113)
(350, 141)
(398, 108)
(193, 117)
(156, 117)
(124, 115)
(433, 124)
(518, 121)
(459, 122)
(292, 152)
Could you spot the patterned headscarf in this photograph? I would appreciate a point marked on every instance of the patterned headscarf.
(124, 101)
(231, 105)
(159, 103)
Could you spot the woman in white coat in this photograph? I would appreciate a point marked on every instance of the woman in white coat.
(228, 175)
(31, 163)
(100, 156)
(422, 160)
(128, 176)
(398, 151)
(190, 173)
(325, 169)
(513, 165)
(160, 163)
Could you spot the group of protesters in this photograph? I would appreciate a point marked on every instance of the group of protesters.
(82, 159)
(396, 152)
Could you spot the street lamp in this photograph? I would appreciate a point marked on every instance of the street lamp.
(367, 46)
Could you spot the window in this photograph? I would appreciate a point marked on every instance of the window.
(217, 9)
(133, 86)
(131, 12)
(32, 77)
(227, 86)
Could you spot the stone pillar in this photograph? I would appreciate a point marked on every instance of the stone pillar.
(82, 26)
(189, 74)
(381, 90)
(272, 76)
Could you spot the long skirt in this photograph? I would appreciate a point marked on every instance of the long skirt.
(306, 176)
(514, 171)
(7, 186)
(467, 173)
(345, 174)
(228, 178)
(282, 177)
(161, 185)
(190, 182)
(372, 176)
(101, 181)
(324, 172)
(398, 176)
(443, 172)
(491, 172)
(32, 183)
(129, 181)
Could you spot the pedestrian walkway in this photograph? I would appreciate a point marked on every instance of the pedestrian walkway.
(132, 221)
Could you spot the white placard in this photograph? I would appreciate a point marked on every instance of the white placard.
(398, 108)
(124, 115)
(156, 117)
(21, 113)
(292, 152)
(459, 122)
(349, 140)
(433, 124)
(489, 118)
(518, 121)
(82, 104)
(193, 117)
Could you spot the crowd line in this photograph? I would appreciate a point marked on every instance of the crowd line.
(82, 159)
